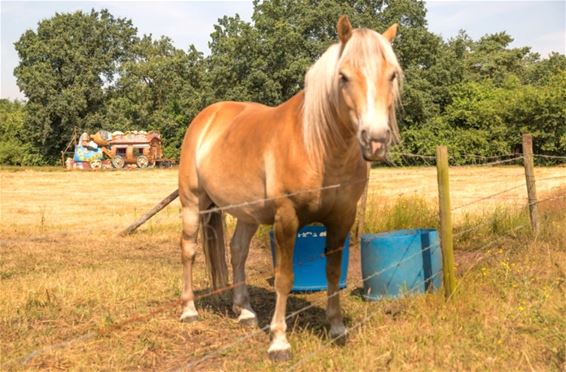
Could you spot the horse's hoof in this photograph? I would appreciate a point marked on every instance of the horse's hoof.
(247, 318)
(188, 318)
(280, 355)
(340, 337)
(248, 322)
(339, 340)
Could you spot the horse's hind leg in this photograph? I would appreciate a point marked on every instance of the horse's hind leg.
(240, 245)
(190, 217)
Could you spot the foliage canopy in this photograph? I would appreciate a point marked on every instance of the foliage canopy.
(93, 71)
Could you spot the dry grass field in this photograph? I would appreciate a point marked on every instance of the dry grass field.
(77, 296)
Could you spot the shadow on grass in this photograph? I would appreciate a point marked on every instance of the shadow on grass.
(312, 319)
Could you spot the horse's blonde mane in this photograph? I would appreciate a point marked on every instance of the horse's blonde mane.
(365, 50)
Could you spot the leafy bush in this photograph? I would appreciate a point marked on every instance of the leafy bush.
(476, 97)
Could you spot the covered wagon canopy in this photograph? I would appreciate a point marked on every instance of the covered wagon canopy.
(130, 138)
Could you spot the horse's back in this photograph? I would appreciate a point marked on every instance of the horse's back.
(215, 123)
(222, 153)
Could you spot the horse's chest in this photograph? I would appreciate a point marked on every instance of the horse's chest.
(324, 204)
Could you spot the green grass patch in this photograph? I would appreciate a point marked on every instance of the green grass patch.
(402, 213)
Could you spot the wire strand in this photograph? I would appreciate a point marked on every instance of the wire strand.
(28, 357)
(368, 317)
(190, 365)
(549, 156)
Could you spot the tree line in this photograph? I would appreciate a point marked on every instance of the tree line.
(93, 71)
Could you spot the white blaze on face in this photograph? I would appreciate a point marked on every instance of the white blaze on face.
(375, 120)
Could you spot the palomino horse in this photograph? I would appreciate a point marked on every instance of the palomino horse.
(273, 165)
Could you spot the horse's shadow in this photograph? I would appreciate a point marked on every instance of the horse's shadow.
(306, 315)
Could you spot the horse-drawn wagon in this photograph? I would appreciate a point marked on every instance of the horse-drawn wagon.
(139, 149)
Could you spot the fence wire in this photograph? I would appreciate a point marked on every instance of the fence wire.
(374, 313)
(549, 156)
(240, 340)
(295, 313)
(500, 160)
(497, 162)
(475, 159)
(349, 331)
(491, 196)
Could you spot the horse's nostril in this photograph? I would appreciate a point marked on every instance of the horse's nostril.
(364, 134)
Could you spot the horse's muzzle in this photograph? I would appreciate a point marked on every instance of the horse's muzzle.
(374, 149)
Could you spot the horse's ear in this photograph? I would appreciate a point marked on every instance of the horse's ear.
(391, 32)
(344, 29)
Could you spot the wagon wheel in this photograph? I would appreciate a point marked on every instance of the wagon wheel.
(142, 161)
(118, 162)
(96, 164)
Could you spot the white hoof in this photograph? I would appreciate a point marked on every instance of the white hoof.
(337, 330)
(189, 314)
(279, 344)
(247, 318)
(279, 350)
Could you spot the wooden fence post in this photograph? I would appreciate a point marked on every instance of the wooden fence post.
(528, 162)
(446, 243)
(361, 215)
(162, 204)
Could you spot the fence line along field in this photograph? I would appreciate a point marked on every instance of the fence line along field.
(65, 273)
(111, 200)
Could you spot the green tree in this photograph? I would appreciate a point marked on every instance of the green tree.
(92, 71)
(236, 70)
(15, 148)
(541, 72)
(266, 60)
(491, 58)
(540, 110)
(65, 66)
(161, 89)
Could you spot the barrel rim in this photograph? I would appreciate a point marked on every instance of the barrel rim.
(403, 233)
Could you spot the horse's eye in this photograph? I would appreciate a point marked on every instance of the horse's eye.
(393, 76)
(343, 78)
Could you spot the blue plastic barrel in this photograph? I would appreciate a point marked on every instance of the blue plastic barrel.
(309, 261)
(401, 262)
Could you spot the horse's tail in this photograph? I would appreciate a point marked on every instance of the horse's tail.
(214, 249)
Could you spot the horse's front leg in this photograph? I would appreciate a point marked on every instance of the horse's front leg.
(285, 226)
(336, 235)
(240, 246)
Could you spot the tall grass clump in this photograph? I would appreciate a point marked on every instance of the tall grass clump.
(405, 212)
(553, 218)
(504, 219)
(475, 230)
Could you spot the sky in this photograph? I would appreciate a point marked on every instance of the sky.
(536, 23)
